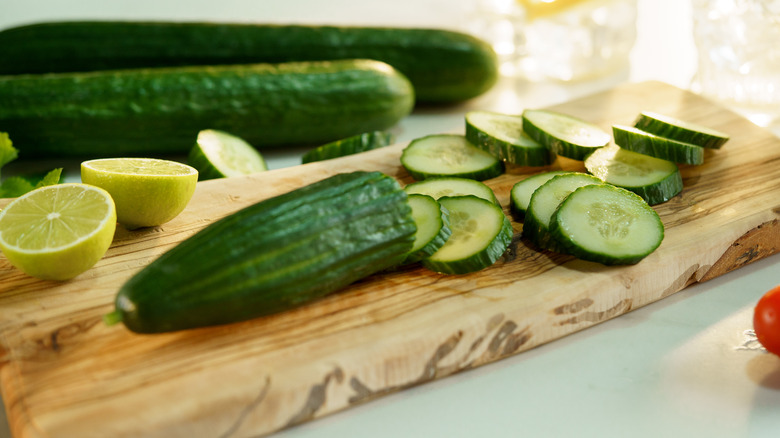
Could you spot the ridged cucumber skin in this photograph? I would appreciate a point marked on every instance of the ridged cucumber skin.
(664, 126)
(160, 111)
(349, 146)
(664, 148)
(275, 255)
(444, 66)
(566, 242)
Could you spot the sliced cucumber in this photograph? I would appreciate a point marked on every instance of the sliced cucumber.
(642, 142)
(653, 179)
(502, 135)
(449, 155)
(481, 233)
(606, 224)
(564, 135)
(545, 200)
(349, 146)
(452, 186)
(217, 154)
(521, 192)
(433, 227)
(680, 130)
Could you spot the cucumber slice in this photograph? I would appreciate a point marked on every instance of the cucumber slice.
(449, 155)
(481, 233)
(564, 135)
(217, 154)
(653, 179)
(545, 201)
(348, 146)
(502, 135)
(607, 224)
(521, 192)
(433, 227)
(642, 142)
(676, 129)
(452, 186)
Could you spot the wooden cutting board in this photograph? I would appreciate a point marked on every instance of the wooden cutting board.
(65, 374)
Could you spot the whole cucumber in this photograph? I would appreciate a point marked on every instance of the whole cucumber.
(161, 110)
(273, 256)
(444, 66)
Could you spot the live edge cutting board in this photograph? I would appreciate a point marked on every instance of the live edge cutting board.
(65, 374)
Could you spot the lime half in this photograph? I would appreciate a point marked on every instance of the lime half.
(147, 191)
(57, 232)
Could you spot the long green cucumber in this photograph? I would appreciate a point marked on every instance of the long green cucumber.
(161, 110)
(444, 66)
(272, 256)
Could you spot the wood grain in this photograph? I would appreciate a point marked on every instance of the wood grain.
(65, 374)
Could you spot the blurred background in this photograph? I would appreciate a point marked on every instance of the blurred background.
(551, 51)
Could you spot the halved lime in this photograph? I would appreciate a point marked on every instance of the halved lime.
(217, 154)
(57, 232)
(147, 191)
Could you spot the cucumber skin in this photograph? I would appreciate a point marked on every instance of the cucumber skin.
(160, 111)
(657, 146)
(349, 146)
(444, 66)
(649, 124)
(273, 256)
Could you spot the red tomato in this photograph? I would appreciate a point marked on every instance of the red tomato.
(766, 320)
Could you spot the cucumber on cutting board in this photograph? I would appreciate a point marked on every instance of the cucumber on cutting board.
(452, 186)
(634, 139)
(161, 110)
(272, 256)
(653, 179)
(444, 66)
(680, 130)
(433, 227)
(545, 200)
(502, 135)
(606, 224)
(563, 134)
(449, 155)
(481, 233)
(521, 192)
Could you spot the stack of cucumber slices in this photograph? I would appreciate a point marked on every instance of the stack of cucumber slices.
(603, 215)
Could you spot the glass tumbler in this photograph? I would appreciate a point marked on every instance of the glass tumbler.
(738, 43)
(565, 40)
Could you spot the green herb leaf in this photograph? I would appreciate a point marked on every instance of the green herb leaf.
(15, 186)
(51, 178)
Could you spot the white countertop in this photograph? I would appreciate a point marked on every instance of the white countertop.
(684, 366)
